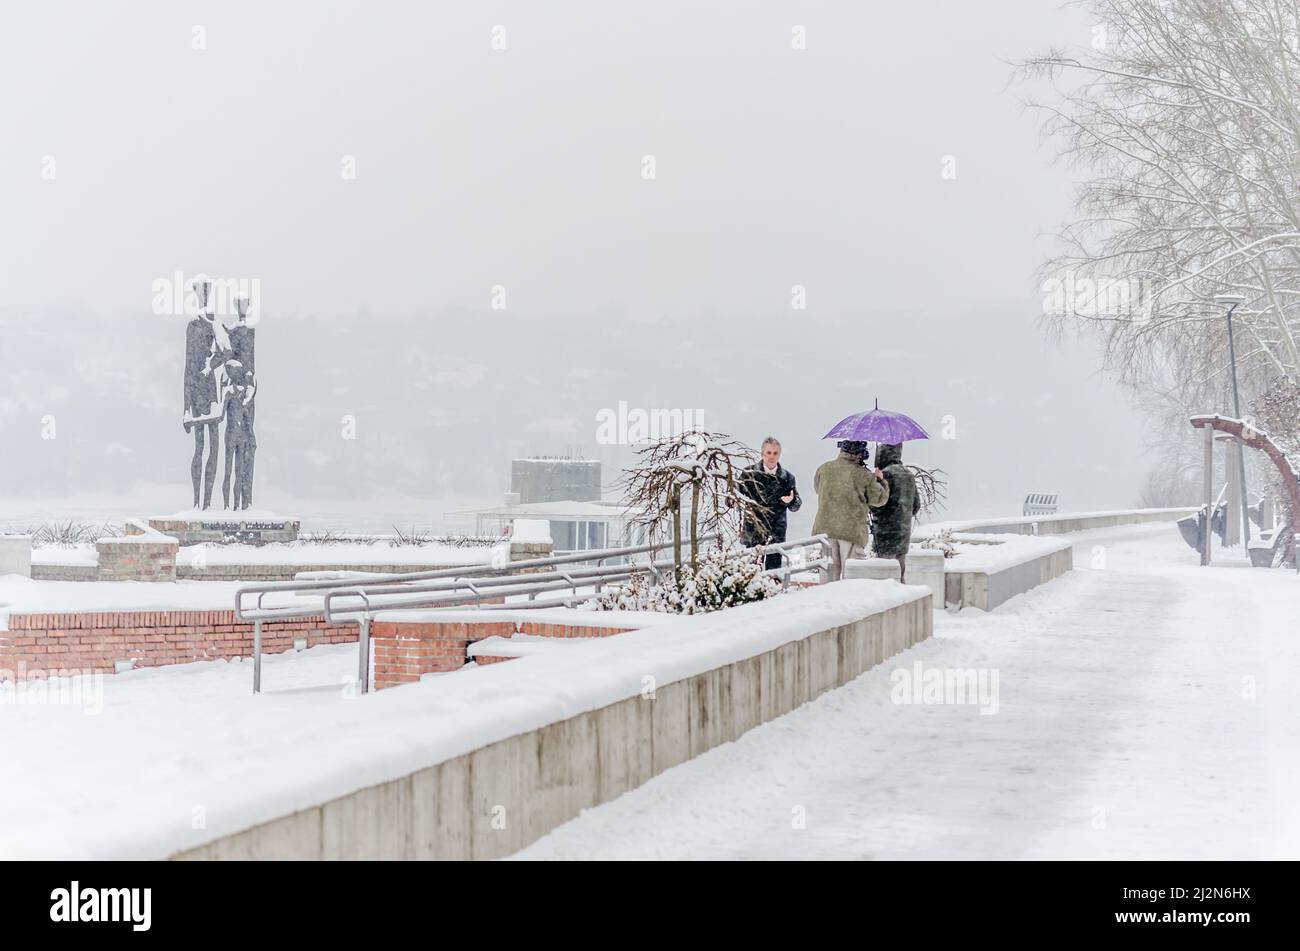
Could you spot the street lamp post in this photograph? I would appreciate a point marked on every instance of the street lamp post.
(1232, 302)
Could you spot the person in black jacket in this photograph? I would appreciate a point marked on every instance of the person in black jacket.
(891, 524)
(772, 486)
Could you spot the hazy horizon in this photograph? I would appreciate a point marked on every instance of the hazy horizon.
(516, 174)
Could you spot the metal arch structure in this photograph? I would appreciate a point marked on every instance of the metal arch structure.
(1248, 435)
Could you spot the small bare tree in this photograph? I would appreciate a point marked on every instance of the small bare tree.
(705, 466)
(931, 487)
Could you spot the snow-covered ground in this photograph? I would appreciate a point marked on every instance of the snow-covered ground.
(290, 553)
(990, 553)
(354, 514)
(1044, 521)
(307, 553)
(129, 765)
(1146, 707)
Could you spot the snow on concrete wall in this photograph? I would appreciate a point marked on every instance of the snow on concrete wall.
(480, 764)
(1058, 524)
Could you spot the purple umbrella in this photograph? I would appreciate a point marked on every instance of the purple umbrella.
(877, 425)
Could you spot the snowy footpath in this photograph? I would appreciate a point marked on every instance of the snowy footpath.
(1139, 707)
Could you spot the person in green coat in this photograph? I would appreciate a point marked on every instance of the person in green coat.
(891, 524)
(846, 490)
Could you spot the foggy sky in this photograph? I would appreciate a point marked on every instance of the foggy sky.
(523, 168)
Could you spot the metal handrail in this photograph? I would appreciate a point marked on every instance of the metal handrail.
(785, 571)
(534, 586)
(450, 593)
(264, 588)
(409, 595)
(443, 591)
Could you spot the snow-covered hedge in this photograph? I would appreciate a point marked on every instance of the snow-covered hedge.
(725, 578)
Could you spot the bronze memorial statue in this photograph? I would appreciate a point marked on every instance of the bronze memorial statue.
(220, 384)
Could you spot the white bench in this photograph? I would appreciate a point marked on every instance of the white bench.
(1040, 503)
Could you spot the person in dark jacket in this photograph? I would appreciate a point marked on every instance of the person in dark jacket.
(846, 492)
(772, 486)
(891, 524)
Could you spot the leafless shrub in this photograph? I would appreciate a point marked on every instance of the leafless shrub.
(336, 538)
(70, 533)
(705, 468)
(931, 487)
(416, 538)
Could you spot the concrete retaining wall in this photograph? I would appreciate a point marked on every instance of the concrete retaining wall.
(65, 572)
(1059, 524)
(988, 589)
(495, 800)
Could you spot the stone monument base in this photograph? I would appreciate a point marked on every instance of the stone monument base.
(249, 527)
(140, 555)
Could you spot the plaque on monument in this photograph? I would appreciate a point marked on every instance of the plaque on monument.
(196, 527)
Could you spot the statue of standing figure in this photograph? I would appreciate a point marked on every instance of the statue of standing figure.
(219, 383)
(241, 444)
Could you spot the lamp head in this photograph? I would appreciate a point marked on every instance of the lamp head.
(1229, 300)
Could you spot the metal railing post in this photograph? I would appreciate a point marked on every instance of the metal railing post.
(257, 656)
(363, 651)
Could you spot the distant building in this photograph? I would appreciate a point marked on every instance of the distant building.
(575, 526)
(555, 479)
(565, 491)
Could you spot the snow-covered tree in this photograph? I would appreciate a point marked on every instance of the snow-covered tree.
(701, 466)
(1185, 115)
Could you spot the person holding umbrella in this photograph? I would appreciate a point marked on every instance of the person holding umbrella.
(846, 490)
(891, 524)
(880, 426)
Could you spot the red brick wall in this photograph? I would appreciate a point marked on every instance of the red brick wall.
(482, 659)
(405, 650)
(402, 651)
(124, 559)
(95, 641)
(567, 630)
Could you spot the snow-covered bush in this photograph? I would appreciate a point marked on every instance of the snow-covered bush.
(940, 541)
(723, 579)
